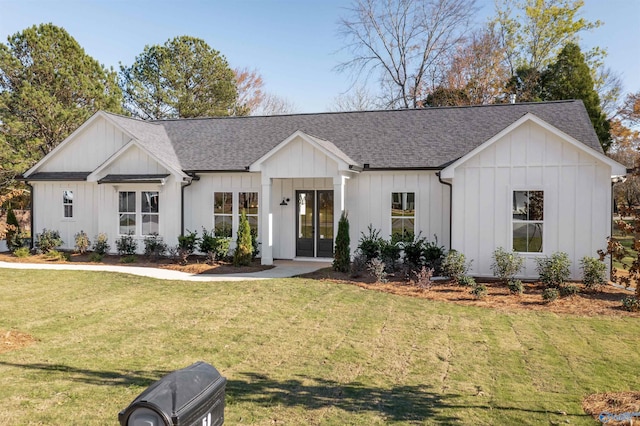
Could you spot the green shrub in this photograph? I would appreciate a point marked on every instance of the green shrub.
(154, 247)
(593, 273)
(254, 243)
(567, 290)
(390, 254)
(550, 294)
(22, 252)
(126, 245)
(342, 251)
(433, 255)
(420, 252)
(128, 259)
(82, 242)
(515, 286)
(466, 281)
(187, 245)
(359, 265)
(215, 247)
(369, 245)
(454, 265)
(13, 231)
(631, 304)
(423, 277)
(376, 268)
(244, 248)
(95, 257)
(100, 244)
(554, 270)
(479, 291)
(56, 255)
(48, 240)
(506, 265)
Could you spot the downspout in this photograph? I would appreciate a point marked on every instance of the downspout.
(194, 177)
(450, 205)
(32, 220)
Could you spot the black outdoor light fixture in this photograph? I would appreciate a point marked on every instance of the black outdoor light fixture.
(284, 202)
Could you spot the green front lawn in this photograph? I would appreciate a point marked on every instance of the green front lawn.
(300, 351)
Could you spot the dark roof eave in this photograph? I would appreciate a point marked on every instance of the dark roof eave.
(390, 169)
(55, 177)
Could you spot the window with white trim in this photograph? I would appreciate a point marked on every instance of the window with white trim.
(150, 206)
(528, 221)
(223, 214)
(145, 214)
(248, 201)
(127, 212)
(67, 204)
(403, 215)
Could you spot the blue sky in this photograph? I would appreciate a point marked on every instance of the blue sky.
(292, 43)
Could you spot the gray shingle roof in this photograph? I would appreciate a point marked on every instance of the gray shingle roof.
(416, 138)
(59, 176)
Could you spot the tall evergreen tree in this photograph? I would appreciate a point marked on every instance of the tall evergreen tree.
(183, 78)
(342, 252)
(48, 87)
(569, 77)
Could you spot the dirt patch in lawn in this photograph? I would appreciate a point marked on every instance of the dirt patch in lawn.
(605, 302)
(195, 265)
(619, 408)
(11, 340)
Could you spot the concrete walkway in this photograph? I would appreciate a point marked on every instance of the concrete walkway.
(283, 269)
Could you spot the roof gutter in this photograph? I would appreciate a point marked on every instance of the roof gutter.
(450, 205)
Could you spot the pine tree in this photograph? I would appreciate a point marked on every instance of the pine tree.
(244, 247)
(342, 253)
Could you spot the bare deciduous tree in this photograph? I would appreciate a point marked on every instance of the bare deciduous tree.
(404, 43)
(249, 84)
(274, 105)
(357, 99)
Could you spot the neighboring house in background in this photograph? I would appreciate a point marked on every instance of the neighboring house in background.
(531, 177)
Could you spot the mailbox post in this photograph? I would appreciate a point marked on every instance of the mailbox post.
(192, 396)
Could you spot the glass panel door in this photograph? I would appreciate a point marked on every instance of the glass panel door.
(325, 224)
(305, 223)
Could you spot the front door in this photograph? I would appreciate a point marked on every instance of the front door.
(314, 223)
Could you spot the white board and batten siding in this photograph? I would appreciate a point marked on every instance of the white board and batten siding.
(577, 203)
(91, 147)
(368, 201)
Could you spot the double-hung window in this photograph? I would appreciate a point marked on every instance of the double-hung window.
(146, 212)
(403, 215)
(528, 221)
(223, 214)
(67, 204)
(248, 202)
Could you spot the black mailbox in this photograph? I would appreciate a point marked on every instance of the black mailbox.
(188, 397)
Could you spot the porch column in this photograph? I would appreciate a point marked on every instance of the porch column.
(266, 226)
(338, 201)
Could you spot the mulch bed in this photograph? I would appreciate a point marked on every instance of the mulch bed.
(196, 264)
(11, 340)
(619, 408)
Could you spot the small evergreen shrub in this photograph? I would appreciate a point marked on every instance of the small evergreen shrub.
(479, 291)
(22, 252)
(359, 265)
(506, 265)
(82, 242)
(187, 245)
(126, 245)
(631, 304)
(128, 259)
(390, 254)
(95, 257)
(422, 278)
(342, 251)
(215, 247)
(593, 273)
(433, 255)
(254, 243)
(515, 286)
(568, 290)
(550, 294)
(48, 240)
(100, 244)
(154, 247)
(13, 231)
(376, 268)
(554, 270)
(244, 248)
(454, 265)
(369, 245)
(467, 281)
